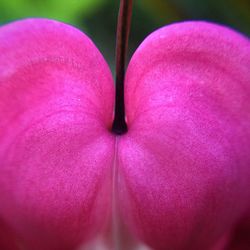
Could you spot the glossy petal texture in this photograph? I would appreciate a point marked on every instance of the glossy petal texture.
(56, 154)
(185, 162)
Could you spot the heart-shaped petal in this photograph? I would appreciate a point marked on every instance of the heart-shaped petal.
(56, 154)
(184, 164)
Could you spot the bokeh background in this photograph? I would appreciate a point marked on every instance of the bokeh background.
(98, 18)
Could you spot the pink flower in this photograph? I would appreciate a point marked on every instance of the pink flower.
(178, 179)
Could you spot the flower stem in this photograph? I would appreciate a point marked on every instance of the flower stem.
(123, 28)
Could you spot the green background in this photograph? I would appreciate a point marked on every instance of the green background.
(98, 18)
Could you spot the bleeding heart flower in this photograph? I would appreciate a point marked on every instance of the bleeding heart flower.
(178, 179)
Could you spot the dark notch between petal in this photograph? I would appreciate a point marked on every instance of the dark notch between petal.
(123, 28)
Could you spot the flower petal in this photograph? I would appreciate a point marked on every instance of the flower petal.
(56, 154)
(184, 164)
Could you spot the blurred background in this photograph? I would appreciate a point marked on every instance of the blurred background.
(98, 18)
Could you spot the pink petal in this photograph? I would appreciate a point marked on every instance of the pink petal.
(239, 238)
(56, 105)
(184, 164)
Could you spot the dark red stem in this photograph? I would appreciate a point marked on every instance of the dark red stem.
(123, 28)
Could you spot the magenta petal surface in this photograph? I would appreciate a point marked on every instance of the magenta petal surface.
(56, 154)
(185, 162)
